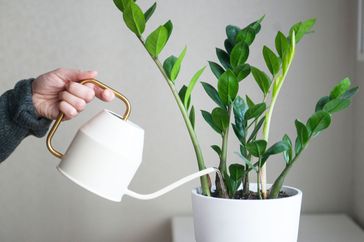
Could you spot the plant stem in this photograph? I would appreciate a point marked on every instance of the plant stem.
(277, 185)
(200, 160)
(224, 147)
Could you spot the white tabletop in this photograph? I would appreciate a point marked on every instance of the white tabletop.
(313, 228)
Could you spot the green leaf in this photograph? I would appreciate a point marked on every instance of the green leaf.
(272, 61)
(228, 46)
(336, 105)
(223, 57)
(177, 65)
(262, 80)
(287, 155)
(192, 117)
(247, 162)
(121, 4)
(216, 69)
(249, 101)
(256, 25)
(169, 26)
(168, 65)
(242, 71)
(257, 147)
(255, 111)
(213, 94)
(134, 18)
(220, 117)
(227, 87)
(350, 93)
(239, 132)
(237, 171)
(239, 54)
(302, 28)
(231, 32)
(298, 146)
(318, 122)
(321, 103)
(302, 132)
(340, 88)
(182, 94)
(208, 118)
(256, 129)
(281, 44)
(246, 35)
(192, 84)
(279, 147)
(217, 149)
(149, 12)
(156, 41)
(239, 109)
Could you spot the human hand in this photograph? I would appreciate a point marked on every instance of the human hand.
(59, 91)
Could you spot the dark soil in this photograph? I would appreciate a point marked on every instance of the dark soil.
(250, 196)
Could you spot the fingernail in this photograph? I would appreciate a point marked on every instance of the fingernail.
(92, 72)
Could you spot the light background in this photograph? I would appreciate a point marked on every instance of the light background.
(38, 204)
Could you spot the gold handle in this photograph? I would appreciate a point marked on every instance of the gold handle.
(61, 115)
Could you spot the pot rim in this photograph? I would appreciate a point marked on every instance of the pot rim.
(298, 193)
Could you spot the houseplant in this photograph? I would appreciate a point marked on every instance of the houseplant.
(233, 193)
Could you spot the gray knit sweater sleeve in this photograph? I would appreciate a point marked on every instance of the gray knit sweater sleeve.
(18, 118)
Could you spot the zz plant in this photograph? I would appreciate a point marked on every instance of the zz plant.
(247, 118)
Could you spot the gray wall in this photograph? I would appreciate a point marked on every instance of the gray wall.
(38, 204)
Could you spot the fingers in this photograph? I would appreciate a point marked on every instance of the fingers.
(77, 103)
(73, 75)
(105, 95)
(68, 110)
(82, 91)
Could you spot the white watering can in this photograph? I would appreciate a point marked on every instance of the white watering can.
(106, 153)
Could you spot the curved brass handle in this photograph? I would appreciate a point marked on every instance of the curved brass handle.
(61, 115)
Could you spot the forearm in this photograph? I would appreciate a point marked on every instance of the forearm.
(18, 118)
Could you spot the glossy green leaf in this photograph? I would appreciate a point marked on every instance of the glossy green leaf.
(236, 171)
(217, 149)
(242, 71)
(261, 79)
(256, 25)
(247, 162)
(257, 147)
(223, 57)
(246, 35)
(239, 132)
(169, 26)
(177, 65)
(149, 12)
(318, 122)
(120, 4)
(271, 60)
(220, 117)
(231, 32)
(192, 117)
(239, 109)
(239, 54)
(281, 44)
(228, 46)
(336, 105)
(340, 88)
(156, 41)
(192, 84)
(182, 94)
(134, 18)
(255, 111)
(216, 69)
(302, 132)
(287, 155)
(321, 103)
(279, 147)
(168, 65)
(227, 87)
(249, 101)
(213, 94)
(302, 28)
(208, 118)
(350, 93)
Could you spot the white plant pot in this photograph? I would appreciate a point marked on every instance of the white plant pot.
(229, 220)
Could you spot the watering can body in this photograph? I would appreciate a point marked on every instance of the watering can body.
(106, 152)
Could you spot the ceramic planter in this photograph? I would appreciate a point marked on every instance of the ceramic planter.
(272, 220)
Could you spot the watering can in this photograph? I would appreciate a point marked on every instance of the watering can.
(106, 152)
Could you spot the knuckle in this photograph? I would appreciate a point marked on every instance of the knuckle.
(80, 105)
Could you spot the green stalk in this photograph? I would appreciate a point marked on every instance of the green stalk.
(277, 85)
(200, 160)
(224, 147)
(277, 185)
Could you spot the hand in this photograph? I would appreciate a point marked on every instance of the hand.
(59, 91)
